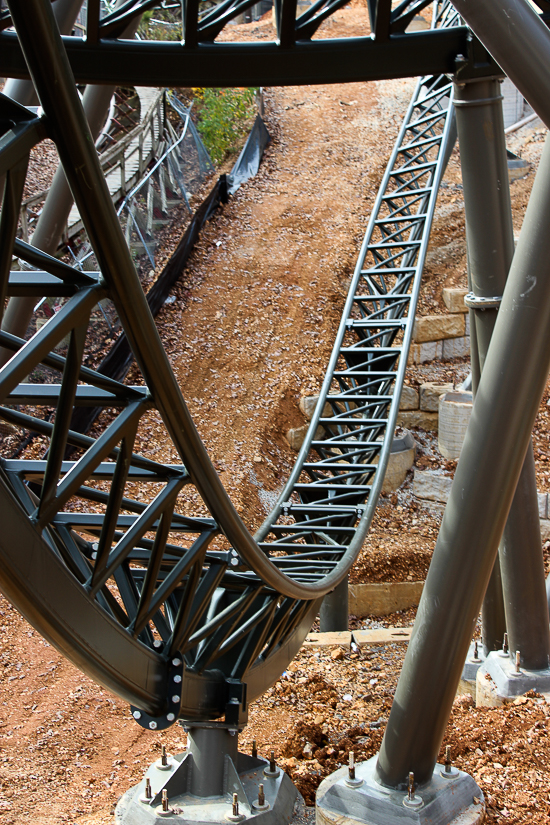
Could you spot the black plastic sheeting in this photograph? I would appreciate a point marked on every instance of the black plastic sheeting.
(249, 160)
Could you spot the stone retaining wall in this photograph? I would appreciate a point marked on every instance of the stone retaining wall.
(442, 337)
(420, 408)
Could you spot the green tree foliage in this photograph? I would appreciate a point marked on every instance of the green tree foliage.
(223, 116)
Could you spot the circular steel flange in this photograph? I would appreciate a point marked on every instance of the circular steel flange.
(473, 301)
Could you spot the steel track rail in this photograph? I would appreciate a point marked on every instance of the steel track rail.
(364, 379)
(122, 579)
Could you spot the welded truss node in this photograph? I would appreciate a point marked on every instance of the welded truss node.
(449, 798)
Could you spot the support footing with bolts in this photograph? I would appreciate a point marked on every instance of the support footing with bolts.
(474, 661)
(500, 679)
(211, 782)
(449, 798)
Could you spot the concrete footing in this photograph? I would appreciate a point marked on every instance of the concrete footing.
(456, 800)
(474, 660)
(186, 791)
(498, 682)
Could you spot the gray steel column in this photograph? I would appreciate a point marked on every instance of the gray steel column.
(490, 236)
(509, 393)
(519, 41)
(334, 614)
(66, 12)
(490, 244)
(209, 747)
(493, 617)
(59, 201)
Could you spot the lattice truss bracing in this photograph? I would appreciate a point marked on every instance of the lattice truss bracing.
(338, 481)
(124, 561)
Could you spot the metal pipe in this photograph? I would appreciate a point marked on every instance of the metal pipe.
(59, 202)
(522, 569)
(66, 12)
(497, 438)
(493, 619)
(490, 240)
(490, 234)
(209, 747)
(334, 614)
(519, 41)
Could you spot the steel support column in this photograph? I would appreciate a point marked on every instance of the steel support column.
(66, 12)
(493, 454)
(59, 201)
(334, 615)
(490, 236)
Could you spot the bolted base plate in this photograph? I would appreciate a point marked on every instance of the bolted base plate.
(243, 779)
(441, 801)
(504, 684)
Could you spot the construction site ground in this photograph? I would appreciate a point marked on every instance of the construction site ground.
(249, 333)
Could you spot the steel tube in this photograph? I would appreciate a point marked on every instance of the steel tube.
(334, 614)
(209, 747)
(485, 242)
(519, 41)
(497, 438)
(490, 241)
(59, 200)
(490, 235)
(66, 12)
(522, 570)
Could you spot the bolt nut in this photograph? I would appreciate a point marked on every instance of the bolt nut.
(176, 662)
(415, 803)
(177, 678)
(164, 809)
(272, 771)
(148, 795)
(153, 725)
(170, 717)
(136, 714)
(176, 699)
(261, 804)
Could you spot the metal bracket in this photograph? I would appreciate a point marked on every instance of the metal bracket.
(236, 708)
(173, 704)
(477, 64)
(473, 301)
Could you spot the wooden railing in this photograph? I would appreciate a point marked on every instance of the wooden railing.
(124, 163)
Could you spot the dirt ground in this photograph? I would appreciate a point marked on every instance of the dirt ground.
(250, 332)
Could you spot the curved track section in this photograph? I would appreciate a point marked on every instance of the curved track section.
(127, 564)
(326, 508)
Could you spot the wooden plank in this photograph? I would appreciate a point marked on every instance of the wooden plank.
(382, 636)
(336, 639)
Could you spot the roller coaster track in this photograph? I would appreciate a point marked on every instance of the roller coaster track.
(142, 573)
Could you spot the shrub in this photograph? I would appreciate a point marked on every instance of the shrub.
(223, 116)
